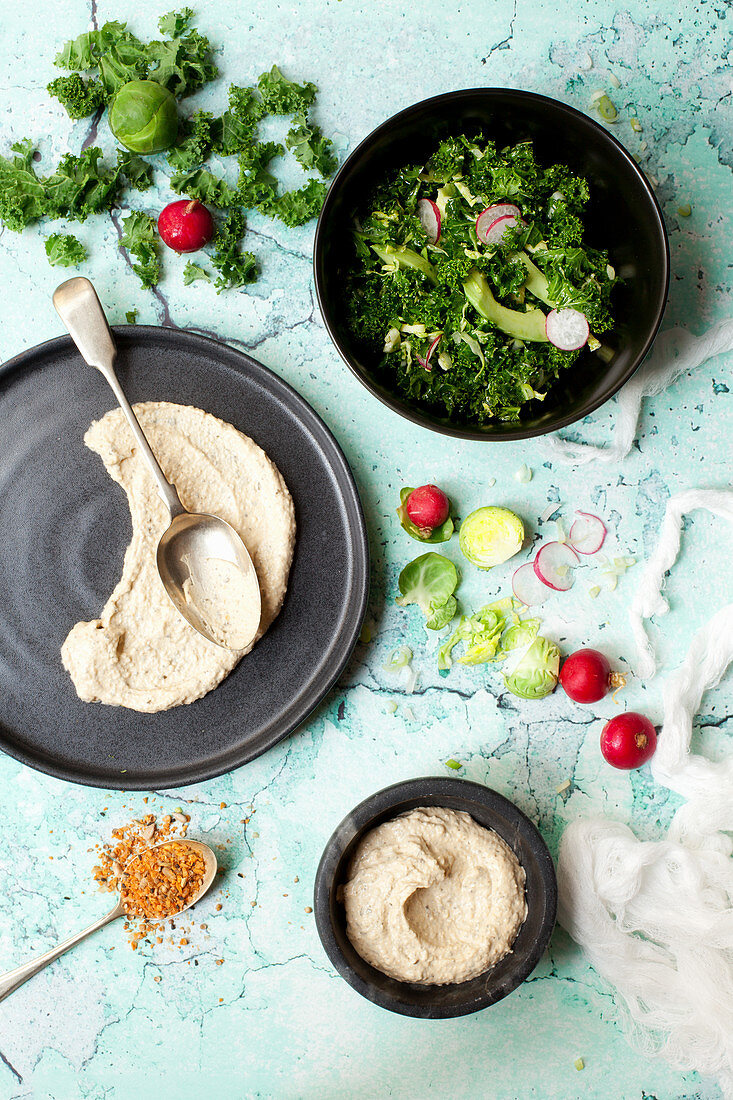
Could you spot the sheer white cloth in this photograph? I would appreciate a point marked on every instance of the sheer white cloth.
(675, 352)
(656, 917)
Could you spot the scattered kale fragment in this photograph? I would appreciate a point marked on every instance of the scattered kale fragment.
(80, 98)
(281, 96)
(203, 185)
(192, 272)
(297, 207)
(310, 148)
(257, 185)
(140, 238)
(235, 267)
(64, 250)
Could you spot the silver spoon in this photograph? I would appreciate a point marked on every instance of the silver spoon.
(196, 546)
(14, 978)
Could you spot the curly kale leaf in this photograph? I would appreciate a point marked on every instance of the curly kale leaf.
(80, 98)
(174, 23)
(80, 186)
(137, 172)
(64, 250)
(203, 185)
(235, 266)
(140, 238)
(192, 272)
(310, 148)
(22, 192)
(182, 62)
(237, 126)
(297, 207)
(194, 143)
(281, 96)
(257, 185)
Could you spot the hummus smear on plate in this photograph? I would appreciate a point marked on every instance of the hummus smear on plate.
(141, 653)
(432, 897)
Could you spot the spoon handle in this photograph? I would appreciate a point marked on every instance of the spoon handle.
(14, 978)
(78, 306)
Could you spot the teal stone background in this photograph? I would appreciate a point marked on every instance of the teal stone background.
(274, 1020)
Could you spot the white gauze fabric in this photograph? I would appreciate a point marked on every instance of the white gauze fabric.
(648, 599)
(656, 917)
(675, 351)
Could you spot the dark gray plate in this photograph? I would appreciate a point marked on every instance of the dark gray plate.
(65, 527)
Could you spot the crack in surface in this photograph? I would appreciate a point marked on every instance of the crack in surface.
(11, 1067)
(505, 43)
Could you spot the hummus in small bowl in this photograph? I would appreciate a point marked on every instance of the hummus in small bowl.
(435, 897)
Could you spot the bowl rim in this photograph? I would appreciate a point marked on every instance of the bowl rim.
(377, 805)
(415, 415)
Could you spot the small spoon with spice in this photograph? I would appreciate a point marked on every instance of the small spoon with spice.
(154, 884)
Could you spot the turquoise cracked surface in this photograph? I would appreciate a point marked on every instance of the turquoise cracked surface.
(274, 1020)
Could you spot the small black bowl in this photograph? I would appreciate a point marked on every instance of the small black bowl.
(623, 216)
(493, 811)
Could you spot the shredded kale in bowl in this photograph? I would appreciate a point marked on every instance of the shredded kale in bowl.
(404, 289)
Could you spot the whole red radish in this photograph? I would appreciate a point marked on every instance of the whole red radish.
(186, 225)
(587, 676)
(628, 740)
(427, 507)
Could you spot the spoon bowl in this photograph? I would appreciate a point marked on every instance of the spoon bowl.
(203, 563)
(210, 868)
(200, 558)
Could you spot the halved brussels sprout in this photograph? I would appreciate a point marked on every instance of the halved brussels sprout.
(490, 536)
(537, 673)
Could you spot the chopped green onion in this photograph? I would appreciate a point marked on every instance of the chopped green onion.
(392, 707)
(366, 634)
(409, 714)
(613, 79)
(594, 591)
(579, 1064)
(523, 474)
(491, 482)
(563, 786)
(453, 764)
(636, 126)
(685, 210)
(606, 109)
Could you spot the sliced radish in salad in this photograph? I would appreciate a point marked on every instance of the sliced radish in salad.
(429, 216)
(567, 329)
(488, 217)
(587, 533)
(528, 587)
(554, 563)
(426, 361)
(494, 233)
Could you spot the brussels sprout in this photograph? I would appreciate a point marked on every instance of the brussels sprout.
(480, 632)
(143, 116)
(490, 536)
(537, 672)
(430, 581)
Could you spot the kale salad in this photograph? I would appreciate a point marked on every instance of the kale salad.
(470, 287)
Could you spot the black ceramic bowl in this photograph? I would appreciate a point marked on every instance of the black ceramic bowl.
(622, 216)
(493, 811)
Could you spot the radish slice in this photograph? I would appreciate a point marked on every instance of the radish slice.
(567, 329)
(554, 564)
(426, 361)
(429, 215)
(528, 587)
(587, 534)
(492, 214)
(494, 233)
